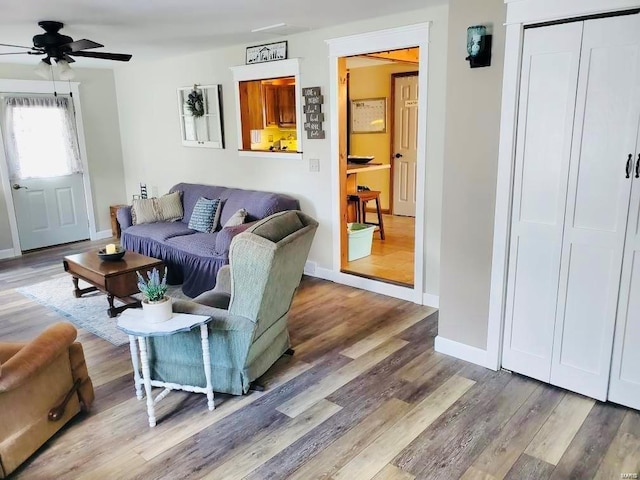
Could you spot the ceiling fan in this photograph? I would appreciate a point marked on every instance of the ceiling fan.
(62, 48)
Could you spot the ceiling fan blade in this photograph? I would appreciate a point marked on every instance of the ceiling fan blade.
(83, 44)
(15, 46)
(16, 53)
(121, 57)
(68, 59)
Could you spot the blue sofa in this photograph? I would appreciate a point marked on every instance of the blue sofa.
(194, 258)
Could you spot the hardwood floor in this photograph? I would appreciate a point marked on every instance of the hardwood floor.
(391, 259)
(364, 397)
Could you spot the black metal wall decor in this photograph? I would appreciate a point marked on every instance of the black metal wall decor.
(478, 46)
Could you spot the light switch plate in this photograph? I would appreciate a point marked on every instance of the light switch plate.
(314, 164)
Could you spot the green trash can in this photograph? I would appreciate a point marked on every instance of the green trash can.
(360, 240)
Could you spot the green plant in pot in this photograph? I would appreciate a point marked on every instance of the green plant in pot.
(157, 306)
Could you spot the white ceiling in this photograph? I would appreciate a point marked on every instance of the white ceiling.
(151, 29)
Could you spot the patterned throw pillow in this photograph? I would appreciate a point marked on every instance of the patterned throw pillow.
(167, 208)
(236, 219)
(206, 215)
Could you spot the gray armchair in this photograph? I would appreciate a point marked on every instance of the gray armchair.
(249, 306)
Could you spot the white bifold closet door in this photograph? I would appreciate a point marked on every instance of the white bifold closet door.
(624, 386)
(550, 63)
(604, 139)
(571, 200)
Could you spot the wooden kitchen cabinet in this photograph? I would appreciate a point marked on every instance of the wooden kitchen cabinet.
(279, 104)
(287, 106)
(271, 105)
(252, 115)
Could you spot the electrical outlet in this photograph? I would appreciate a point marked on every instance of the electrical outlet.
(314, 164)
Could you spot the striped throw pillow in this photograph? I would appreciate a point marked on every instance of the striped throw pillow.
(167, 208)
(206, 215)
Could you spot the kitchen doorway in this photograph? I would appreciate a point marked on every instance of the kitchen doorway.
(381, 137)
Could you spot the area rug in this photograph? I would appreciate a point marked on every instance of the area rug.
(88, 312)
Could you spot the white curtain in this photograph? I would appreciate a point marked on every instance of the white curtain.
(40, 137)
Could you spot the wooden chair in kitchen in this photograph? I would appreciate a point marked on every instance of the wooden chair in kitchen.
(360, 199)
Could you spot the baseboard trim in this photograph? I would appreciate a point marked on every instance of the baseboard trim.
(462, 351)
(395, 291)
(102, 234)
(431, 300)
(8, 253)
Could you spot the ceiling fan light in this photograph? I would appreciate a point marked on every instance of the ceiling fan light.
(64, 70)
(43, 70)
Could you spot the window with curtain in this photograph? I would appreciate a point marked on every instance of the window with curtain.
(40, 137)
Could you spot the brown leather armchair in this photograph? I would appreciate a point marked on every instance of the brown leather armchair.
(43, 384)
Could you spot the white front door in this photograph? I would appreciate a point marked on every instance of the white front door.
(45, 171)
(405, 145)
(50, 211)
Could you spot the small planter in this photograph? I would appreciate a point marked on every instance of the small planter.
(156, 312)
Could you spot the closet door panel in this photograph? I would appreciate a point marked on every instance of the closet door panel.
(606, 120)
(588, 294)
(545, 117)
(624, 385)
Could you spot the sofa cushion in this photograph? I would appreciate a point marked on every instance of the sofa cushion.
(202, 244)
(278, 227)
(236, 219)
(206, 215)
(160, 231)
(167, 208)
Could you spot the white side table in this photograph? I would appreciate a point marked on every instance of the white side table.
(132, 322)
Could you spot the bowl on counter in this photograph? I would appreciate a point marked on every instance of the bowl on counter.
(359, 159)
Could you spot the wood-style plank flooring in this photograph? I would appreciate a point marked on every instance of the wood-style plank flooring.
(391, 259)
(364, 397)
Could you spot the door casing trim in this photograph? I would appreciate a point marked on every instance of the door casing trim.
(389, 39)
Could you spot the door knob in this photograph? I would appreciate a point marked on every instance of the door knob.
(15, 186)
(398, 155)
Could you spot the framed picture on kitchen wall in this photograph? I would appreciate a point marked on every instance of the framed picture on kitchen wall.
(369, 115)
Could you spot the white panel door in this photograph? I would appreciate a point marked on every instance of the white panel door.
(624, 386)
(50, 211)
(604, 136)
(405, 145)
(545, 121)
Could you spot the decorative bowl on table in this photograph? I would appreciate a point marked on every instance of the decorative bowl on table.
(111, 257)
(359, 159)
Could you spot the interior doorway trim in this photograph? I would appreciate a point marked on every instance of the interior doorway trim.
(43, 87)
(389, 39)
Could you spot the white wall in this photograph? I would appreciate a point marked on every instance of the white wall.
(471, 163)
(102, 135)
(153, 152)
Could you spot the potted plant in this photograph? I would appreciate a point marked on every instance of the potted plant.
(156, 304)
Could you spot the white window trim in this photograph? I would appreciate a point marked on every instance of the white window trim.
(389, 39)
(519, 14)
(37, 86)
(261, 71)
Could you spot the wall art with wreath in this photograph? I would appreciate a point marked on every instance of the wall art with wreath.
(195, 102)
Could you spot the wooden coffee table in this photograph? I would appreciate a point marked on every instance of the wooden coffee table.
(117, 279)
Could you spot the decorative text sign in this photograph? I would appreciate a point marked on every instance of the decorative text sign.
(313, 101)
